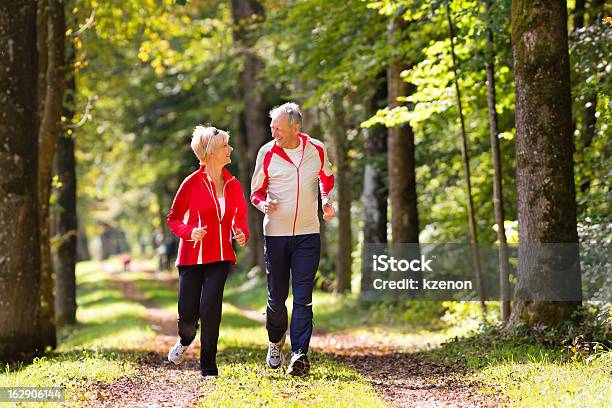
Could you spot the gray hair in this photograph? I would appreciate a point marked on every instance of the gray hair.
(291, 109)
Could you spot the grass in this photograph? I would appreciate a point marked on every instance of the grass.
(525, 372)
(411, 325)
(546, 381)
(103, 347)
(97, 349)
(528, 374)
(245, 380)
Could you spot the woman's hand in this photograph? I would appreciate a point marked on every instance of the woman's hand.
(240, 237)
(198, 233)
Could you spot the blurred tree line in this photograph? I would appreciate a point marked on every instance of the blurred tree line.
(416, 101)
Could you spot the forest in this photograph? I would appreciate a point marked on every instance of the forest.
(472, 135)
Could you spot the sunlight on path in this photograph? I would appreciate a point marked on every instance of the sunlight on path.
(244, 381)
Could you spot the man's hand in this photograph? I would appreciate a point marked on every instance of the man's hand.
(198, 233)
(270, 206)
(240, 237)
(328, 212)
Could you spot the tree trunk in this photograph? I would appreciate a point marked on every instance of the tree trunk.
(466, 166)
(375, 192)
(402, 179)
(498, 197)
(19, 223)
(64, 221)
(596, 11)
(48, 137)
(42, 35)
(82, 244)
(343, 197)
(579, 14)
(544, 148)
(246, 14)
(589, 120)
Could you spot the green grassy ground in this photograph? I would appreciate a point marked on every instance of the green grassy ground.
(102, 348)
(95, 350)
(529, 374)
(522, 370)
(246, 381)
(418, 325)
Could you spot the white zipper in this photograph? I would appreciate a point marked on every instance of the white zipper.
(201, 246)
(218, 215)
(297, 200)
(214, 196)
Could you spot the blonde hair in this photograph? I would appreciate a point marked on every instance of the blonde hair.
(205, 139)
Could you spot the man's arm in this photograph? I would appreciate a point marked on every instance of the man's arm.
(326, 185)
(259, 181)
(326, 179)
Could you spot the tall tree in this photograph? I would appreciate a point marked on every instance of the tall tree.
(588, 119)
(466, 166)
(19, 223)
(48, 137)
(64, 219)
(498, 197)
(401, 164)
(338, 147)
(339, 152)
(579, 14)
(248, 16)
(544, 162)
(375, 193)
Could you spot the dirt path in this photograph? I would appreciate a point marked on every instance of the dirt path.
(403, 379)
(158, 383)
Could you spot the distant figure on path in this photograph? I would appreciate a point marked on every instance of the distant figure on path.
(208, 211)
(126, 260)
(288, 174)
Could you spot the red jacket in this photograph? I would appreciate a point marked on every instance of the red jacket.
(196, 205)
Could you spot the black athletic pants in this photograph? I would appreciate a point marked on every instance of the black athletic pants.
(200, 297)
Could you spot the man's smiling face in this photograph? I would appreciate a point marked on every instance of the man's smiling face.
(283, 133)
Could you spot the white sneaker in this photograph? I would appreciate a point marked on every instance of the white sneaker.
(274, 359)
(299, 365)
(176, 354)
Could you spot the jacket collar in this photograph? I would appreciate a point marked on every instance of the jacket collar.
(281, 152)
(227, 176)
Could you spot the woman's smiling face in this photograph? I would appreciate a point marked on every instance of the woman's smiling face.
(221, 154)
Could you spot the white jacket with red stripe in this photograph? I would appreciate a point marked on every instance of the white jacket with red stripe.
(294, 185)
(196, 205)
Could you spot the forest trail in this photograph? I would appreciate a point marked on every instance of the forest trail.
(400, 377)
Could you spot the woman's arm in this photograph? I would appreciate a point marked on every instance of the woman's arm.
(180, 207)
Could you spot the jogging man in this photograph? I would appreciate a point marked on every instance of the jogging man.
(289, 172)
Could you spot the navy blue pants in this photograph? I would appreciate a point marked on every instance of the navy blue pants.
(200, 296)
(296, 257)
